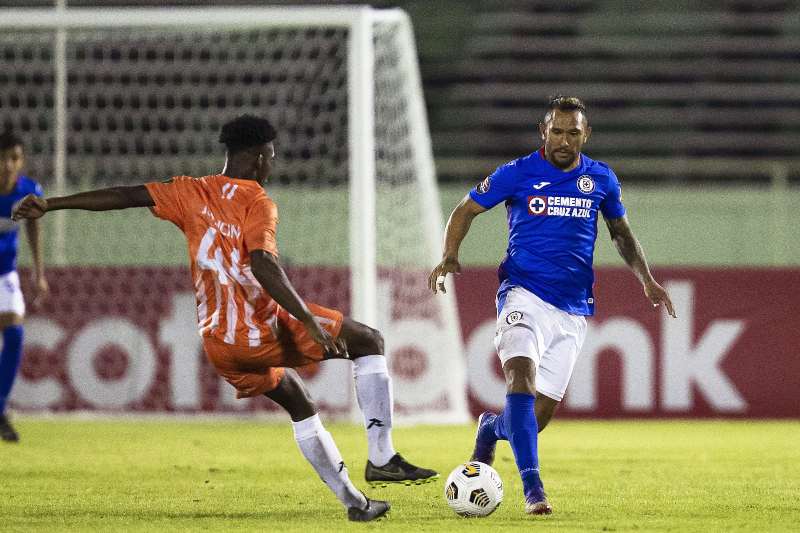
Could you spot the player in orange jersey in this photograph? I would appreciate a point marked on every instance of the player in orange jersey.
(255, 327)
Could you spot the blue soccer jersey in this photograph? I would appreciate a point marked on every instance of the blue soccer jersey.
(552, 223)
(8, 228)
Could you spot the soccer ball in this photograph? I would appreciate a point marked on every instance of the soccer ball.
(473, 489)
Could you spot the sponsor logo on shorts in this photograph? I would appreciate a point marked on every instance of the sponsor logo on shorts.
(513, 317)
(483, 187)
(585, 184)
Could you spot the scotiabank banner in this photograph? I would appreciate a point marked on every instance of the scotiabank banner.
(124, 339)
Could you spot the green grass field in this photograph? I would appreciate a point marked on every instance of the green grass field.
(247, 475)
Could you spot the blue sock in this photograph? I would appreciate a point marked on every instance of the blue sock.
(9, 361)
(500, 426)
(517, 425)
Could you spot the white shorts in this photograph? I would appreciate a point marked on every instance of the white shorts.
(11, 300)
(529, 327)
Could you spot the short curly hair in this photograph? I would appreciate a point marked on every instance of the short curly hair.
(9, 139)
(564, 103)
(246, 131)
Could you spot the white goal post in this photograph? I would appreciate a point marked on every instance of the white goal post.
(393, 206)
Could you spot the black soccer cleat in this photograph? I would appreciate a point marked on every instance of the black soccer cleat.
(398, 470)
(7, 431)
(375, 510)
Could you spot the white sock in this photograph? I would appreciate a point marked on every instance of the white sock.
(374, 393)
(318, 448)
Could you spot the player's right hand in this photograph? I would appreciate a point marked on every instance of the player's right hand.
(448, 265)
(333, 347)
(30, 207)
(40, 290)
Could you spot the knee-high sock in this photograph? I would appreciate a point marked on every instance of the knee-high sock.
(517, 424)
(318, 448)
(9, 362)
(374, 394)
(500, 426)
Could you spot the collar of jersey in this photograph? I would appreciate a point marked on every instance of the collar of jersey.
(238, 180)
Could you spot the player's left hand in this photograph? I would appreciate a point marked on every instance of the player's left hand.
(30, 207)
(658, 295)
(332, 346)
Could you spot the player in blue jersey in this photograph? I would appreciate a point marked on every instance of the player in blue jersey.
(13, 187)
(553, 197)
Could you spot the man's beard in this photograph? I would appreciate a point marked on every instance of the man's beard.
(561, 163)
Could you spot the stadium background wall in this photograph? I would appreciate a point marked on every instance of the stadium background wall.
(732, 353)
(124, 339)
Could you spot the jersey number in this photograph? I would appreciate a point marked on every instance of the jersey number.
(209, 257)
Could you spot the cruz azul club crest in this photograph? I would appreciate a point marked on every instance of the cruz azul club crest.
(513, 317)
(585, 184)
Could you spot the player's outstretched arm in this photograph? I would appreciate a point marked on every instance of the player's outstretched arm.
(457, 228)
(631, 251)
(32, 207)
(272, 277)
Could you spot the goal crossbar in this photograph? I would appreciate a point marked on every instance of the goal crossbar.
(206, 17)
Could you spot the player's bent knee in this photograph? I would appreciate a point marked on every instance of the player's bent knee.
(518, 352)
(371, 342)
(361, 339)
(520, 373)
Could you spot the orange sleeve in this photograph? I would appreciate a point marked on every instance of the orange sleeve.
(167, 197)
(261, 225)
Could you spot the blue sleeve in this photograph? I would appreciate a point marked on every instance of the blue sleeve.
(28, 186)
(496, 188)
(611, 206)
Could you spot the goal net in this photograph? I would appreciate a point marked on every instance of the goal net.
(106, 97)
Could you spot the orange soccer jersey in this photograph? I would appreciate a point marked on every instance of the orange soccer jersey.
(246, 334)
